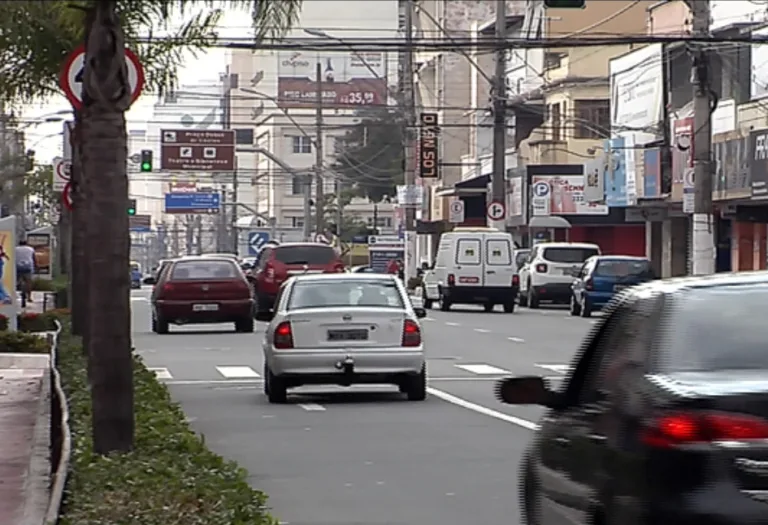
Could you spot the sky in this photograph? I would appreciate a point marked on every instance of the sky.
(45, 137)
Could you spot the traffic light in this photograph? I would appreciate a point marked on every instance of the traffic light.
(565, 4)
(146, 160)
(29, 161)
(131, 206)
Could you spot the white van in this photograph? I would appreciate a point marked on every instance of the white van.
(473, 266)
(550, 271)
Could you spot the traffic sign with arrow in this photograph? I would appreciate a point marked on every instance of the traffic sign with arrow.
(256, 240)
(71, 79)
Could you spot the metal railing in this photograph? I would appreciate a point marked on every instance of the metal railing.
(60, 438)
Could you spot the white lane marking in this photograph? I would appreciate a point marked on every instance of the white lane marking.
(450, 398)
(516, 339)
(237, 372)
(482, 330)
(483, 370)
(453, 324)
(139, 299)
(161, 373)
(560, 369)
(312, 407)
(429, 319)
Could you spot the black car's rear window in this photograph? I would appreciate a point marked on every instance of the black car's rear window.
(717, 328)
(203, 270)
(310, 255)
(623, 268)
(568, 255)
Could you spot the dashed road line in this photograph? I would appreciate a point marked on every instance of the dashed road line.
(238, 372)
(516, 339)
(161, 373)
(452, 324)
(483, 369)
(312, 407)
(559, 368)
(463, 403)
(482, 330)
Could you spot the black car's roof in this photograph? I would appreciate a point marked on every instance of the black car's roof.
(709, 281)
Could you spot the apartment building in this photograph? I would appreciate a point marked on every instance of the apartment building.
(273, 93)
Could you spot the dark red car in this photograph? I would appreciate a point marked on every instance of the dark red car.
(277, 263)
(197, 290)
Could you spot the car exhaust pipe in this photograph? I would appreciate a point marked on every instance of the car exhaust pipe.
(348, 367)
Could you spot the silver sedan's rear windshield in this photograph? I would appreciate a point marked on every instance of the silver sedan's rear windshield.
(345, 293)
(717, 328)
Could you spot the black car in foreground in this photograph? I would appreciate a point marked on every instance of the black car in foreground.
(663, 419)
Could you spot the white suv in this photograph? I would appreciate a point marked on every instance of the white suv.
(550, 270)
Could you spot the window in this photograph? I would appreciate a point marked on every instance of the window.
(346, 293)
(717, 328)
(297, 222)
(381, 222)
(302, 144)
(593, 119)
(623, 268)
(554, 120)
(297, 185)
(568, 255)
(311, 255)
(498, 252)
(468, 251)
(203, 270)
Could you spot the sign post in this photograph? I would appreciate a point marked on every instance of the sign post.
(62, 173)
(191, 203)
(71, 79)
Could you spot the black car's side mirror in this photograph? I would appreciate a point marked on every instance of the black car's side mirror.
(527, 390)
(149, 281)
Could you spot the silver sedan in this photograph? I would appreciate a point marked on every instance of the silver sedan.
(344, 329)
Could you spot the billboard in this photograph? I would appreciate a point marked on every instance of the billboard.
(565, 196)
(192, 203)
(429, 163)
(637, 89)
(349, 79)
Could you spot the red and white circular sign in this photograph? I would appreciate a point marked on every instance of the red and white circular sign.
(71, 80)
(66, 197)
(496, 210)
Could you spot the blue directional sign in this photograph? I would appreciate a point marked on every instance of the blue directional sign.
(192, 202)
(256, 240)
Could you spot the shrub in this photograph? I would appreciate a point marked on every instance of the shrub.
(169, 477)
(3, 323)
(43, 285)
(22, 343)
(34, 322)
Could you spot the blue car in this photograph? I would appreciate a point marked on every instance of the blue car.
(135, 279)
(602, 276)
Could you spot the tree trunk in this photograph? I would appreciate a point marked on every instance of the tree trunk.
(106, 97)
(79, 216)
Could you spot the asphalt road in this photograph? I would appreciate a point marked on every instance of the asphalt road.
(364, 456)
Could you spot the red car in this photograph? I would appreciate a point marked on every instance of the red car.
(276, 264)
(197, 290)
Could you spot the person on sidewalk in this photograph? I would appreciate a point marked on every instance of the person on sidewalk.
(25, 267)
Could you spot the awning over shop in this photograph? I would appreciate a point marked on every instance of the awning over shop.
(474, 186)
(552, 221)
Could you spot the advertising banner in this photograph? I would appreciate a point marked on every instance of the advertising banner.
(652, 178)
(594, 181)
(429, 162)
(758, 163)
(382, 249)
(349, 79)
(566, 195)
(682, 157)
(637, 89)
(615, 172)
(8, 303)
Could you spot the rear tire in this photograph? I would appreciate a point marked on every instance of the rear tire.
(488, 307)
(160, 325)
(277, 391)
(445, 304)
(416, 386)
(244, 326)
(427, 302)
(533, 299)
(586, 309)
(509, 307)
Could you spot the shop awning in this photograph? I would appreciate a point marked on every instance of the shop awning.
(474, 186)
(552, 221)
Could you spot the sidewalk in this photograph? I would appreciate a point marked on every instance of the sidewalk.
(24, 438)
(38, 303)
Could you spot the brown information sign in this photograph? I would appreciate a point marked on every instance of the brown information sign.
(197, 150)
(428, 152)
(140, 222)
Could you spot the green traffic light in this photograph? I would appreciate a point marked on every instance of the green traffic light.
(131, 211)
(146, 166)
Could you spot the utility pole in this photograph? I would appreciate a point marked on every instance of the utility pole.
(703, 226)
(410, 143)
(233, 220)
(319, 211)
(498, 180)
(339, 211)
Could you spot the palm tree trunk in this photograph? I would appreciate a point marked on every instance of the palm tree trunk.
(106, 97)
(79, 270)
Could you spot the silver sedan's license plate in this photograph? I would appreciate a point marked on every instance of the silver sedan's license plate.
(205, 307)
(348, 335)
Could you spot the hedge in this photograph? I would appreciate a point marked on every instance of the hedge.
(169, 477)
(35, 322)
(22, 343)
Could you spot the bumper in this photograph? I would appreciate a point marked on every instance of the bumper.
(553, 291)
(696, 510)
(598, 299)
(325, 364)
(183, 311)
(480, 294)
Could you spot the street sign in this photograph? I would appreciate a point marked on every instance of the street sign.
(541, 202)
(197, 150)
(66, 196)
(71, 79)
(62, 173)
(256, 240)
(496, 211)
(689, 191)
(180, 203)
(456, 212)
(541, 189)
(140, 223)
